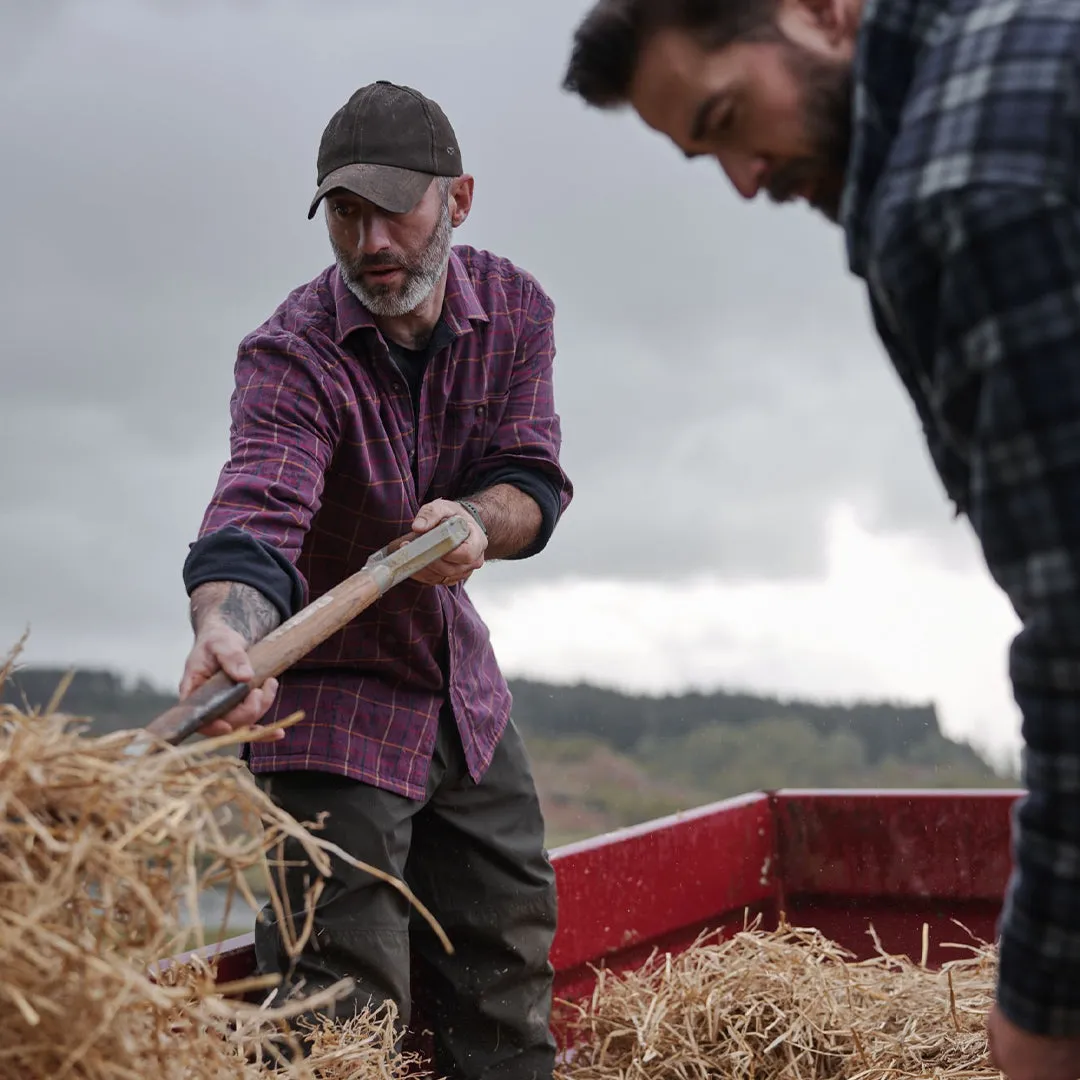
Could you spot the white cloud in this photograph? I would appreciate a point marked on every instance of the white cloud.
(887, 620)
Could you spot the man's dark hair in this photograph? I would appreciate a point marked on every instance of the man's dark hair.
(610, 38)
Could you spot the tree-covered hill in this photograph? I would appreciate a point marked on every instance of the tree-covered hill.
(604, 759)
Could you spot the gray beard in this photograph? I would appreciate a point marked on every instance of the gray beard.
(420, 278)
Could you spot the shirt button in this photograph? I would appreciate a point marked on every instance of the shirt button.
(480, 409)
(397, 387)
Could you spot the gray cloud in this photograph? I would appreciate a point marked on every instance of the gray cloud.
(27, 26)
(719, 383)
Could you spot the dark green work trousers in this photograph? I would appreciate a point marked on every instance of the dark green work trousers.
(474, 855)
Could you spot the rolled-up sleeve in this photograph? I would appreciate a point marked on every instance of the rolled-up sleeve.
(1008, 360)
(284, 429)
(525, 448)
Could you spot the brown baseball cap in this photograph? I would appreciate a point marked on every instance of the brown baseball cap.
(386, 144)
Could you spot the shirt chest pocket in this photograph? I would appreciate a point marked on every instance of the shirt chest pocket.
(472, 425)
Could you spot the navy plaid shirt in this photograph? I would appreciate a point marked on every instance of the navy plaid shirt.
(962, 214)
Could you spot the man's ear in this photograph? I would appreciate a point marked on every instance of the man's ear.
(460, 198)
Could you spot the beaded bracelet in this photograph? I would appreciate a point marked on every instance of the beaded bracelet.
(471, 507)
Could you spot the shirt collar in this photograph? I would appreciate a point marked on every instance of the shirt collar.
(892, 34)
(461, 305)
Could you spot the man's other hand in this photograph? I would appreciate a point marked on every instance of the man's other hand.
(219, 647)
(1022, 1056)
(458, 565)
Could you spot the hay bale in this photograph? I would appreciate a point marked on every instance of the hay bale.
(785, 1005)
(104, 853)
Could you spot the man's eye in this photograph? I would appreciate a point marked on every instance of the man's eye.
(722, 123)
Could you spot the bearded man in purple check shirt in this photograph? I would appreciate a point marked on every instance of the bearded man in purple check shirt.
(408, 382)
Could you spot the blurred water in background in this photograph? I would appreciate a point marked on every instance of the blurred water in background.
(219, 911)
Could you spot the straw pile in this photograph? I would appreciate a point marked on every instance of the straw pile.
(104, 852)
(786, 1005)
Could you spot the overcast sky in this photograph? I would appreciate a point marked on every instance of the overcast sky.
(754, 505)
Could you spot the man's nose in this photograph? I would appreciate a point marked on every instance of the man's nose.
(746, 173)
(374, 235)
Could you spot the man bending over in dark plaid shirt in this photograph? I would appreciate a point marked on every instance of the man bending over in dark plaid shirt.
(409, 382)
(944, 137)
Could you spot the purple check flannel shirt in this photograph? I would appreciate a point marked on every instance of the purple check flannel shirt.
(328, 464)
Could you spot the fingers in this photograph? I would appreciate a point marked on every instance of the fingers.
(200, 666)
(231, 656)
(459, 564)
(471, 548)
(248, 713)
(451, 567)
(220, 648)
(443, 509)
(433, 513)
(469, 553)
(445, 572)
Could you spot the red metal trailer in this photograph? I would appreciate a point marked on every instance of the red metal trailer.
(836, 860)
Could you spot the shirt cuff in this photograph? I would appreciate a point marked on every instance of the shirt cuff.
(230, 554)
(1039, 993)
(1039, 939)
(541, 489)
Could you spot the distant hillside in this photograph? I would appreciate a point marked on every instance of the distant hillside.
(605, 759)
(102, 697)
(629, 723)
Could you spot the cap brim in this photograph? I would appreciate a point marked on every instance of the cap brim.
(395, 190)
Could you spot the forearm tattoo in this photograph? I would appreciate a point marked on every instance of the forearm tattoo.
(240, 607)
